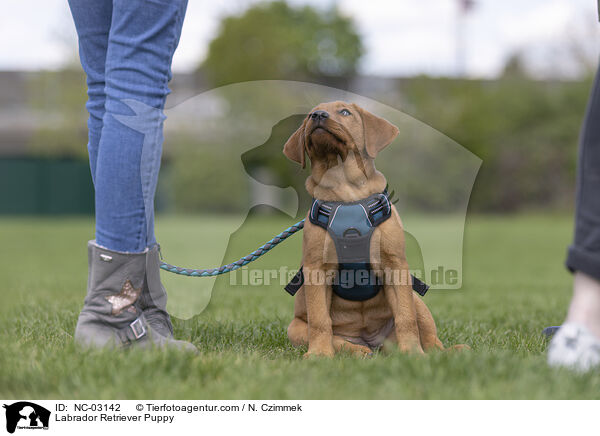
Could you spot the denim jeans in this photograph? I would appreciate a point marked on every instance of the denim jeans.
(584, 253)
(126, 48)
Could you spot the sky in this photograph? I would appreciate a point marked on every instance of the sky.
(402, 37)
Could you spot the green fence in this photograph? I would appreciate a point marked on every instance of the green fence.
(45, 187)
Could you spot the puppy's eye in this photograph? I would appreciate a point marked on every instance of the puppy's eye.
(345, 112)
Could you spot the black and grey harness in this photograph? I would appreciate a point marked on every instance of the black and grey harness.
(351, 226)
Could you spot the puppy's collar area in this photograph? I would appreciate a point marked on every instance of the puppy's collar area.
(351, 226)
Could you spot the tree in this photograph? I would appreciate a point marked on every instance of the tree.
(277, 41)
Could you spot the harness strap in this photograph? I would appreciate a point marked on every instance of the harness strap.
(419, 286)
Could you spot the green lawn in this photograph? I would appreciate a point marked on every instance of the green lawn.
(514, 285)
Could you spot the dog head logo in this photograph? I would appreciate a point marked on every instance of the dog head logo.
(242, 128)
(26, 415)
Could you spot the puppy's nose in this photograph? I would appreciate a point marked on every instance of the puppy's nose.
(319, 115)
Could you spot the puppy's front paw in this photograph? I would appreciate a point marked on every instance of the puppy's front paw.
(410, 346)
(411, 349)
(408, 343)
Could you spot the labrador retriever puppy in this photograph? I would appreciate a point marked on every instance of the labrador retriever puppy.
(342, 140)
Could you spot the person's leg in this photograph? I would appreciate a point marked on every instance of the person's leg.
(584, 254)
(577, 342)
(92, 21)
(125, 302)
(142, 40)
(585, 304)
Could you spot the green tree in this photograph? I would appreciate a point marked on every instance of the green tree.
(524, 130)
(277, 41)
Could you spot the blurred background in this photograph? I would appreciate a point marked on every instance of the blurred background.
(506, 80)
(488, 94)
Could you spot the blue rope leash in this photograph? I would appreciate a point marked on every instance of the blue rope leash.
(211, 272)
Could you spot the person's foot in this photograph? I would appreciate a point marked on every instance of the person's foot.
(574, 347)
(577, 343)
(585, 304)
(550, 331)
(153, 300)
(112, 315)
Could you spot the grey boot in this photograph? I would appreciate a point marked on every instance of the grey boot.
(153, 300)
(111, 315)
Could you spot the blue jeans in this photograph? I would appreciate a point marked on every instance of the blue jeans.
(126, 48)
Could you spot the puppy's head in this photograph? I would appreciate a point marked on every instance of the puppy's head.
(336, 128)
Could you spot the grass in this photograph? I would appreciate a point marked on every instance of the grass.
(514, 284)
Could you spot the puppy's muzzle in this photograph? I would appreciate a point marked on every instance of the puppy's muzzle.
(319, 119)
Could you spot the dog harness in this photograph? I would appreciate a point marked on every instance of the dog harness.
(351, 226)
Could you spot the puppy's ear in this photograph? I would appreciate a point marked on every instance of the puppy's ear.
(379, 133)
(295, 147)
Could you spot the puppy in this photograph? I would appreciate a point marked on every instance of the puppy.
(342, 140)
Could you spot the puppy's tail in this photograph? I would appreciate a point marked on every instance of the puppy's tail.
(438, 345)
(457, 347)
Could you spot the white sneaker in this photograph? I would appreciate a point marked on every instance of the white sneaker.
(574, 347)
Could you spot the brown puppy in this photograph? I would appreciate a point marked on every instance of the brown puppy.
(342, 141)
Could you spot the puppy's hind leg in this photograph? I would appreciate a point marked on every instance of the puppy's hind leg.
(428, 330)
(340, 344)
(298, 336)
(298, 332)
